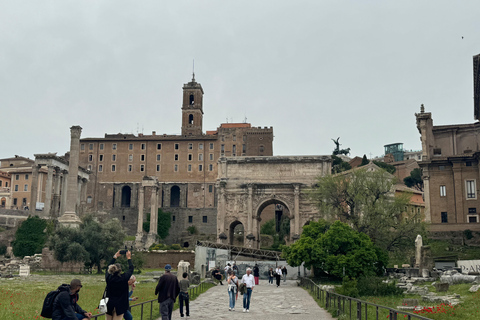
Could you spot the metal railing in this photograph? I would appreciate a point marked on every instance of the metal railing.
(351, 307)
(146, 307)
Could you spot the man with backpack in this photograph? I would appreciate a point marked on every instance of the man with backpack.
(64, 306)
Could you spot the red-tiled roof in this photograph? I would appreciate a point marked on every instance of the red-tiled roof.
(235, 125)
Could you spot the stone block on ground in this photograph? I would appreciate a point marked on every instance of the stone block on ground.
(474, 288)
(441, 286)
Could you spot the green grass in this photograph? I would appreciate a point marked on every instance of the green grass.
(468, 309)
(23, 299)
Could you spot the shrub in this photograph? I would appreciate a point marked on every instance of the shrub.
(373, 286)
(192, 230)
(175, 247)
(3, 249)
(468, 234)
(349, 288)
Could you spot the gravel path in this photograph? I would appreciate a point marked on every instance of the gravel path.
(268, 303)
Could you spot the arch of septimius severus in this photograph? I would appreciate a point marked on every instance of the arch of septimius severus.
(247, 185)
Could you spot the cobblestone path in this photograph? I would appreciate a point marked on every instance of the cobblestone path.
(268, 303)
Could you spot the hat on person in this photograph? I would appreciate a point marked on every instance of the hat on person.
(168, 267)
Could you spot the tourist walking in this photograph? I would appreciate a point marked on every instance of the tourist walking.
(232, 281)
(117, 287)
(256, 274)
(183, 296)
(167, 290)
(271, 274)
(226, 269)
(65, 304)
(284, 273)
(235, 268)
(128, 314)
(278, 275)
(249, 282)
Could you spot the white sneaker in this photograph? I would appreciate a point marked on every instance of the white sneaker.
(244, 310)
(233, 309)
(248, 310)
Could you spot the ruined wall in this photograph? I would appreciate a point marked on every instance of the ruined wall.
(172, 257)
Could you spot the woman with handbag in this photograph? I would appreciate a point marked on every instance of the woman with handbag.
(232, 289)
(117, 287)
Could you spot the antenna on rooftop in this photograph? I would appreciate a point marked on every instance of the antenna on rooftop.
(193, 71)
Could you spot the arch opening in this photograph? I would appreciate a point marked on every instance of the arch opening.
(175, 196)
(190, 119)
(192, 99)
(126, 196)
(273, 218)
(237, 233)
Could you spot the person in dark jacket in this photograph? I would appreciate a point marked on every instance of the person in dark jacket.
(256, 274)
(167, 290)
(117, 287)
(65, 305)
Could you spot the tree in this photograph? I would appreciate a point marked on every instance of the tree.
(385, 166)
(414, 180)
(366, 200)
(91, 243)
(338, 165)
(364, 161)
(335, 249)
(30, 237)
(164, 223)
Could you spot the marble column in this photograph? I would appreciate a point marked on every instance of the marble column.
(63, 199)
(221, 214)
(139, 235)
(48, 192)
(154, 211)
(70, 217)
(56, 193)
(296, 193)
(34, 189)
(79, 195)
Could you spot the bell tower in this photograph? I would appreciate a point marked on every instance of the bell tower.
(192, 108)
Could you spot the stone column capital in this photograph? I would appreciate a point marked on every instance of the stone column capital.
(75, 132)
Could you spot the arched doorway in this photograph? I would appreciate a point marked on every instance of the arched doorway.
(273, 223)
(3, 202)
(175, 196)
(237, 233)
(126, 196)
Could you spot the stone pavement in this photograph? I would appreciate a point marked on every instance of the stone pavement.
(268, 303)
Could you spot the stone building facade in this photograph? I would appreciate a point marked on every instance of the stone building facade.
(184, 168)
(451, 173)
(19, 171)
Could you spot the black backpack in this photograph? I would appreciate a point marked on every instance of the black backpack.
(47, 309)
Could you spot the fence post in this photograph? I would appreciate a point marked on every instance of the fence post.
(359, 310)
(327, 304)
(339, 304)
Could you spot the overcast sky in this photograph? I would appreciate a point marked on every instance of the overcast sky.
(314, 70)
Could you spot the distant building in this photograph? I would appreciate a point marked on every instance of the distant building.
(19, 171)
(183, 166)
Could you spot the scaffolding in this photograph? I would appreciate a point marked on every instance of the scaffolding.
(242, 251)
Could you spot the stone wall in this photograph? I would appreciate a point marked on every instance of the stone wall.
(158, 259)
(180, 222)
(12, 218)
(49, 263)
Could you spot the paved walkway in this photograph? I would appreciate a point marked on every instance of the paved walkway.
(268, 303)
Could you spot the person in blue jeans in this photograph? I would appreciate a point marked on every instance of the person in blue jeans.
(249, 282)
(128, 315)
(232, 281)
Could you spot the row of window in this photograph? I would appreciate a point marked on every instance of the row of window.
(471, 218)
(143, 146)
(16, 187)
(190, 219)
(6, 184)
(142, 157)
(24, 201)
(234, 138)
(142, 168)
(17, 177)
(470, 186)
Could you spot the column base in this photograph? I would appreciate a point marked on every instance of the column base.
(151, 239)
(139, 243)
(70, 219)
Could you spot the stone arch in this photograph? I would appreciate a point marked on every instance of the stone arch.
(232, 237)
(264, 204)
(175, 196)
(126, 196)
(3, 202)
(190, 119)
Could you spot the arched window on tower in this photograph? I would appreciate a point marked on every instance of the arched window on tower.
(190, 119)
(126, 195)
(192, 100)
